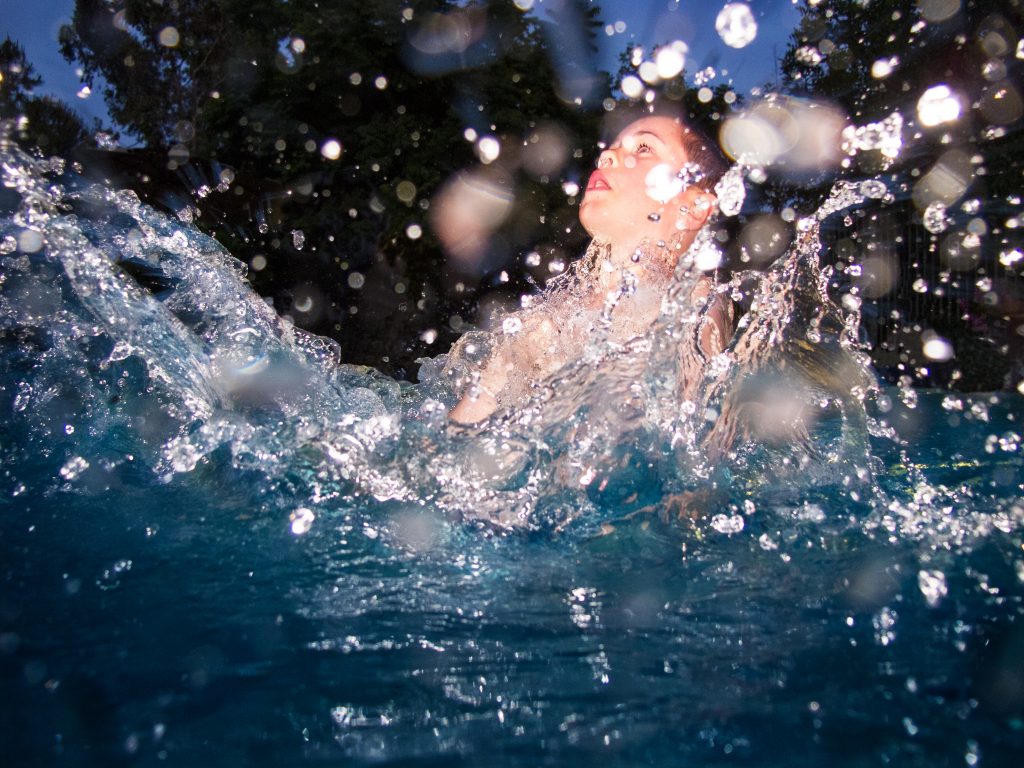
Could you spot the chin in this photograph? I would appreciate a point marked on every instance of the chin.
(588, 223)
(600, 223)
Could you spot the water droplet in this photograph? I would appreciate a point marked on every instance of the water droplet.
(935, 217)
(727, 523)
(882, 68)
(731, 192)
(938, 10)
(169, 37)
(111, 577)
(1008, 258)
(884, 622)
(662, 184)
(73, 467)
(632, 86)
(511, 325)
(938, 105)
(30, 240)
(886, 136)
(873, 188)
(736, 25)
(933, 586)
(671, 59)
(488, 148)
(808, 55)
(301, 520)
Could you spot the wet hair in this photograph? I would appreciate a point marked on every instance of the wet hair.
(700, 147)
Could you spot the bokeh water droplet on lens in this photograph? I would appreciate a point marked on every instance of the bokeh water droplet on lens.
(938, 10)
(932, 584)
(662, 184)
(169, 37)
(671, 59)
(736, 25)
(331, 149)
(938, 105)
(632, 86)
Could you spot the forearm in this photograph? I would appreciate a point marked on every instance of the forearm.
(473, 408)
(480, 399)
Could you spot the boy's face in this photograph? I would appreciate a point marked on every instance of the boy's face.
(635, 192)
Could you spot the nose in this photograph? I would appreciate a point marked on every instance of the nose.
(607, 158)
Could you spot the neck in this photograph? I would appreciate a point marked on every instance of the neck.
(659, 256)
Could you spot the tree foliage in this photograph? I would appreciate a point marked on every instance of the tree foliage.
(19, 78)
(241, 97)
(874, 58)
(42, 123)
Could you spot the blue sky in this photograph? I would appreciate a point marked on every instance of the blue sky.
(36, 25)
(647, 23)
(654, 22)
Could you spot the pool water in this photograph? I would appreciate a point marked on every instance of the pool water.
(219, 545)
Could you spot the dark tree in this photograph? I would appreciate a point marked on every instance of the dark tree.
(19, 78)
(243, 100)
(879, 58)
(43, 124)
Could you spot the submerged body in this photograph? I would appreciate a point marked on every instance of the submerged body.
(536, 343)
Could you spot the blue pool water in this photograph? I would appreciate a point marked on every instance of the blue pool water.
(219, 545)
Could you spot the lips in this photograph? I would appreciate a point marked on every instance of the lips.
(597, 182)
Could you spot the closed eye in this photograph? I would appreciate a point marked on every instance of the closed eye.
(643, 148)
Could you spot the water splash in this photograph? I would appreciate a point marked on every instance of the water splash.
(195, 370)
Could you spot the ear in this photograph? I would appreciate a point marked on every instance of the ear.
(695, 207)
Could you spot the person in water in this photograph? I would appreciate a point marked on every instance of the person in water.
(644, 204)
